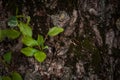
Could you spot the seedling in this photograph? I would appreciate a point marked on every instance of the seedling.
(25, 31)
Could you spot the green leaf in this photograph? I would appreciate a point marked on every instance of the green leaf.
(28, 19)
(16, 76)
(40, 56)
(2, 35)
(25, 29)
(7, 57)
(55, 31)
(12, 22)
(45, 47)
(6, 78)
(10, 33)
(28, 51)
(40, 40)
(0, 78)
(29, 41)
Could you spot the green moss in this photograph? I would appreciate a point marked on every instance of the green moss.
(84, 48)
(96, 59)
(87, 44)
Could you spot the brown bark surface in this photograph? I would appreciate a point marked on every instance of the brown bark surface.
(88, 49)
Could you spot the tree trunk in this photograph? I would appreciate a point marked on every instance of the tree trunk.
(89, 47)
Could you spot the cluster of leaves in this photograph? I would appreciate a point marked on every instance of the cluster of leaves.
(26, 32)
(34, 47)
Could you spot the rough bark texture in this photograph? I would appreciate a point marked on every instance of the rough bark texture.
(88, 49)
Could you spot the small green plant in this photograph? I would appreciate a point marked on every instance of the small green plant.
(34, 47)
